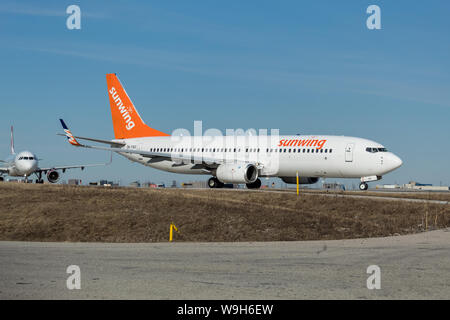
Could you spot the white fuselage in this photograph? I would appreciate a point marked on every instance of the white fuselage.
(22, 164)
(282, 156)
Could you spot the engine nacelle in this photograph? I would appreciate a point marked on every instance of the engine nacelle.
(301, 180)
(53, 176)
(237, 173)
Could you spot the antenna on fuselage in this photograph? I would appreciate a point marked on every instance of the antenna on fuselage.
(12, 141)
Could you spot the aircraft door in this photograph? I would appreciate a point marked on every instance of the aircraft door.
(349, 152)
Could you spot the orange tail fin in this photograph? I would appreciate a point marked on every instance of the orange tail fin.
(126, 120)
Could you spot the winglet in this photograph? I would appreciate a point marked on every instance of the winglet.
(69, 134)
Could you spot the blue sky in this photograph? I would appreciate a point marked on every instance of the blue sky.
(307, 67)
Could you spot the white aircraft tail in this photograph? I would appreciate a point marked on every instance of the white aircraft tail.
(12, 141)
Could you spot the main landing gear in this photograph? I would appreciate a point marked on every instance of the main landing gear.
(213, 182)
(363, 186)
(254, 185)
(39, 177)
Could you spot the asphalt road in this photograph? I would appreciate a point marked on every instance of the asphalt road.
(356, 196)
(412, 267)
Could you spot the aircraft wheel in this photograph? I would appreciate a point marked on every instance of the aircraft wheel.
(1, 179)
(254, 185)
(363, 186)
(213, 182)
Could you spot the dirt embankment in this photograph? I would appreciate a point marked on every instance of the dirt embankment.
(68, 213)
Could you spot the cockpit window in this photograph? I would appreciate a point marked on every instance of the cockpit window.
(374, 150)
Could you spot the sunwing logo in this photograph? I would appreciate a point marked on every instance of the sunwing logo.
(302, 143)
(124, 111)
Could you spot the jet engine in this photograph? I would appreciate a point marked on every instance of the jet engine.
(301, 180)
(237, 173)
(53, 176)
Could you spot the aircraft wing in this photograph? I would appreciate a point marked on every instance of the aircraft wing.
(79, 166)
(153, 156)
(115, 144)
(157, 156)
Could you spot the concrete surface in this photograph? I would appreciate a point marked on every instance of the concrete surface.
(412, 267)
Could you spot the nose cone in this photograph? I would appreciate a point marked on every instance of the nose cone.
(395, 162)
(27, 167)
(33, 165)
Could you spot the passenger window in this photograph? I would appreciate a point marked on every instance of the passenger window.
(331, 150)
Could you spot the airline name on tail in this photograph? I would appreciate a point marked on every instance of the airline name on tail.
(129, 124)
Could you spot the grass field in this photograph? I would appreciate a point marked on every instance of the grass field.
(68, 213)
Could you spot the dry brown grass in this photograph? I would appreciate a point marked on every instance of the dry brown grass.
(65, 213)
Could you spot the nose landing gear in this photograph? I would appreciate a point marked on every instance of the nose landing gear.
(363, 186)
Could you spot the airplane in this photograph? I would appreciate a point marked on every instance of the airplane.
(239, 160)
(26, 163)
